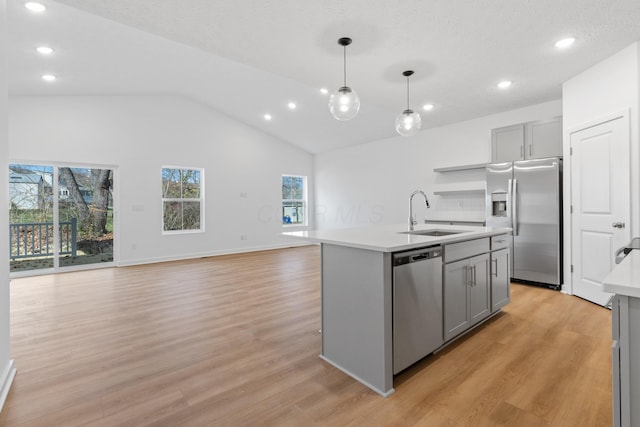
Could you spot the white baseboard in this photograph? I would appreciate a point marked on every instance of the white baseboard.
(7, 379)
(142, 261)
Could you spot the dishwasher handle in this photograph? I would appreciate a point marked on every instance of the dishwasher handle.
(417, 255)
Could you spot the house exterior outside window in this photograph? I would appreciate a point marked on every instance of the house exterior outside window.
(182, 200)
(294, 200)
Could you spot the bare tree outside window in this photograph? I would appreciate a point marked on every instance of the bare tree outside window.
(182, 200)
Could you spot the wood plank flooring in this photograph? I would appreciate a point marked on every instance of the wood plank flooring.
(233, 341)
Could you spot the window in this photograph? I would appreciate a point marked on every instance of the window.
(294, 200)
(182, 199)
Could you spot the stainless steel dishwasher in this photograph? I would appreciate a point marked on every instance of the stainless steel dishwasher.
(417, 305)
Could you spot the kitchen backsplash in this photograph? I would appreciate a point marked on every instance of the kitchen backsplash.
(462, 206)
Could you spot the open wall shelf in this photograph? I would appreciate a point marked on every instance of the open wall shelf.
(461, 168)
(460, 187)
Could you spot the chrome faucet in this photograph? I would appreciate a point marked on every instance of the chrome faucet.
(412, 221)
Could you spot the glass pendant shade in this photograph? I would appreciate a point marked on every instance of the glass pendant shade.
(408, 123)
(344, 103)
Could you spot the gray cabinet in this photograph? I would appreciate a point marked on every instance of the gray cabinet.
(500, 279)
(466, 294)
(507, 143)
(533, 140)
(625, 320)
(544, 139)
(479, 295)
(455, 294)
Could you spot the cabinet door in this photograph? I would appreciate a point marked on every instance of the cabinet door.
(479, 296)
(456, 284)
(507, 143)
(544, 139)
(500, 279)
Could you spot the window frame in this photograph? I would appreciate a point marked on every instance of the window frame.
(200, 200)
(304, 200)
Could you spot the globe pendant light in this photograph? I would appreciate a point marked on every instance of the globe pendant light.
(344, 102)
(408, 122)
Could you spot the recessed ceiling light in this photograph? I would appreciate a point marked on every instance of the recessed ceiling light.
(504, 84)
(427, 107)
(292, 105)
(35, 7)
(324, 91)
(44, 50)
(48, 77)
(267, 117)
(565, 43)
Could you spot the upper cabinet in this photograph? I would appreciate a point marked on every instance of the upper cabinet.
(507, 143)
(533, 140)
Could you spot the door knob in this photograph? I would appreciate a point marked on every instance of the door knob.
(618, 225)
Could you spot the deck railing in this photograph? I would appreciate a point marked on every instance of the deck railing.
(35, 239)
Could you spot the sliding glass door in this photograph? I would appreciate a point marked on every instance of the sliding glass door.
(60, 216)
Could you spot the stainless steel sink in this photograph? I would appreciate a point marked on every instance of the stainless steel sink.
(433, 233)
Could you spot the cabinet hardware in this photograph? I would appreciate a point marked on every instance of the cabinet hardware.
(530, 150)
(470, 275)
(473, 275)
(495, 269)
(618, 225)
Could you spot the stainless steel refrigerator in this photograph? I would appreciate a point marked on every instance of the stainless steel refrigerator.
(527, 196)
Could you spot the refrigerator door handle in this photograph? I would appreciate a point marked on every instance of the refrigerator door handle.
(514, 206)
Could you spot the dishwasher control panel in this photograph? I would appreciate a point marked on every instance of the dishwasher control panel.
(402, 258)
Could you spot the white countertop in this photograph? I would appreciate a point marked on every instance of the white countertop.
(624, 279)
(390, 238)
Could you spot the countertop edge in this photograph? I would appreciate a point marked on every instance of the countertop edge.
(624, 279)
(419, 243)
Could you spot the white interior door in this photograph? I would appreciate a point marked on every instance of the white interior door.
(600, 199)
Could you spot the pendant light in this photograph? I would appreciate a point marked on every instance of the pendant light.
(408, 122)
(344, 102)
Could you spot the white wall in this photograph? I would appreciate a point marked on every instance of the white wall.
(371, 183)
(140, 134)
(7, 371)
(606, 88)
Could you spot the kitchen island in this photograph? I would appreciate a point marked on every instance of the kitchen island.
(358, 289)
(624, 282)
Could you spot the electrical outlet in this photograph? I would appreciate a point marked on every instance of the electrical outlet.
(243, 237)
(134, 246)
(461, 204)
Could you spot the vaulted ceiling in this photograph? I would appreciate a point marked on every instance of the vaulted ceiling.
(247, 58)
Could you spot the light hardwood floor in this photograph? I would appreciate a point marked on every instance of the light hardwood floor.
(233, 341)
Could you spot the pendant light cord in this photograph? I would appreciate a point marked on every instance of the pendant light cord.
(344, 50)
(407, 92)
